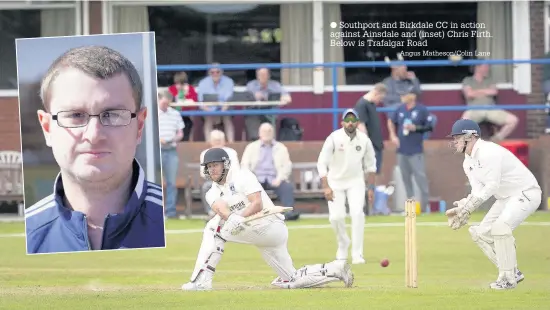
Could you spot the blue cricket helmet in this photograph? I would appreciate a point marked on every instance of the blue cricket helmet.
(465, 126)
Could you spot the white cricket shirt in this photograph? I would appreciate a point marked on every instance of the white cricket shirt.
(234, 192)
(494, 170)
(344, 161)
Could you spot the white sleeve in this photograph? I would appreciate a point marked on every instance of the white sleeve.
(325, 156)
(491, 163)
(475, 185)
(211, 196)
(369, 159)
(248, 182)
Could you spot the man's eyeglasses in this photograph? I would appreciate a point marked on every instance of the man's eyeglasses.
(74, 119)
(350, 120)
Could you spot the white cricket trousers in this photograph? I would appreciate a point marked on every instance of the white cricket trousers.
(271, 239)
(512, 211)
(355, 196)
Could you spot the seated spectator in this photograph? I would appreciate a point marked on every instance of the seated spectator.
(399, 83)
(270, 161)
(217, 140)
(260, 88)
(183, 92)
(480, 89)
(216, 83)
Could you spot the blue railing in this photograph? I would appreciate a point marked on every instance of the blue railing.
(362, 64)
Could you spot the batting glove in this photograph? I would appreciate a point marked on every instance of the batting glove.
(233, 224)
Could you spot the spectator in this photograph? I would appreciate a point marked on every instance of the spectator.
(370, 121)
(217, 140)
(216, 83)
(480, 89)
(400, 82)
(407, 127)
(270, 161)
(170, 131)
(260, 88)
(184, 93)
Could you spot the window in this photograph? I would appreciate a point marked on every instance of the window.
(202, 34)
(465, 12)
(16, 24)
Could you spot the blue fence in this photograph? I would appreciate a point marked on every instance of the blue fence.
(335, 110)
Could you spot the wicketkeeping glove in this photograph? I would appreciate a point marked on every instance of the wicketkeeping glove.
(464, 211)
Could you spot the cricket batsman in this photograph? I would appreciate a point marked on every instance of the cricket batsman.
(234, 196)
(494, 171)
(346, 155)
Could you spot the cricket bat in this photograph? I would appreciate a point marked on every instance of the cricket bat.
(259, 215)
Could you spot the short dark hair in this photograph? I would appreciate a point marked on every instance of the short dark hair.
(98, 61)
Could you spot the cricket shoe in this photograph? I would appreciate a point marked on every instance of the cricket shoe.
(347, 275)
(503, 284)
(194, 286)
(519, 277)
(358, 260)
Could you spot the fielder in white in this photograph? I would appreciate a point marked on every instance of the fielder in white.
(235, 195)
(494, 171)
(346, 155)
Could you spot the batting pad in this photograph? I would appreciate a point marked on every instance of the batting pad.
(314, 276)
(505, 248)
(210, 254)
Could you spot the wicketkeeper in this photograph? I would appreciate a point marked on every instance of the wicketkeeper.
(494, 171)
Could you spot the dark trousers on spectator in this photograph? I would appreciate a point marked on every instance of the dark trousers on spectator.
(284, 192)
(379, 157)
(188, 126)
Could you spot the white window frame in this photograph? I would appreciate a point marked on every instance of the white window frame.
(37, 6)
(319, 81)
(546, 26)
(521, 41)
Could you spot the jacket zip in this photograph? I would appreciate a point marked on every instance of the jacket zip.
(86, 233)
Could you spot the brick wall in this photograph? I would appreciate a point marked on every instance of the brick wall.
(9, 125)
(536, 118)
(444, 168)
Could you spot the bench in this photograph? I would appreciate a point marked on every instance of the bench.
(11, 179)
(307, 184)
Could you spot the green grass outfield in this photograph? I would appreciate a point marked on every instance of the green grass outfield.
(453, 273)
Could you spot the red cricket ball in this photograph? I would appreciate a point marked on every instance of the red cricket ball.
(384, 263)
